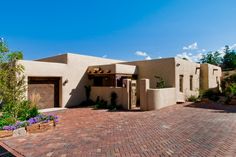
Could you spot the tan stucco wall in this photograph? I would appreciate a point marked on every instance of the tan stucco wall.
(56, 59)
(160, 98)
(167, 68)
(153, 99)
(74, 71)
(105, 94)
(160, 67)
(187, 69)
(210, 74)
(73, 67)
(39, 69)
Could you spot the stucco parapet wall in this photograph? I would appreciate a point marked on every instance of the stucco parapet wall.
(67, 57)
(63, 58)
(38, 68)
(126, 69)
(116, 69)
(160, 98)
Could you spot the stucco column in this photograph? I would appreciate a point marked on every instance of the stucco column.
(126, 94)
(144, 86)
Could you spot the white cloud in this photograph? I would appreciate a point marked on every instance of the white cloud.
(148, 58)
(196, 55)
(184, 55)
(192, 46)
(140, 53)
(104, 56)
(190, 57)
(143, 54)
(201, 51)
(232, 47)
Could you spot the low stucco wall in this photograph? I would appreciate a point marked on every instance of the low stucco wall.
(159, 98)
(105, 94)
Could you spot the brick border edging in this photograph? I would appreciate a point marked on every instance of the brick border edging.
(11, 150)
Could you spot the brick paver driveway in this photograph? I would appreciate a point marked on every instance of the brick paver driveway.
(179, 130)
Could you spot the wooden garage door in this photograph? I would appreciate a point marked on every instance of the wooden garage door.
(45, 88)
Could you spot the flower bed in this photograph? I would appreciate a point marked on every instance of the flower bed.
(36, 124)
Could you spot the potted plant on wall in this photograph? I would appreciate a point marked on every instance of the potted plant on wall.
(160, 82)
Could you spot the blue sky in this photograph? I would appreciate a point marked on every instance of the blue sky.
(119, 29)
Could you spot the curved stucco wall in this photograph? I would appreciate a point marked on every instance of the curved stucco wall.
(159, 98)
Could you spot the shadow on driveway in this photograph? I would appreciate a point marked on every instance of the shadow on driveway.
(219, 108)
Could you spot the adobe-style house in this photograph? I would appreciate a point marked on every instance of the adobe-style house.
(60, 80)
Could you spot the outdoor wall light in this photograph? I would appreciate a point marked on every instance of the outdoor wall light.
(65, 82)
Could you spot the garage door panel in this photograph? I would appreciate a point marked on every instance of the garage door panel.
(46, 89)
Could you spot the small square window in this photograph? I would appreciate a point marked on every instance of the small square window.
(191, 82)
(181, 82)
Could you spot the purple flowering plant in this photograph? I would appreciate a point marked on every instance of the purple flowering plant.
(39, 118)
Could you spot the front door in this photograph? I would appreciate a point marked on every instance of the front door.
(133, 94)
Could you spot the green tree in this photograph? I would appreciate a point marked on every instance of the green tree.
(12, 80)
(212, 58)
(229, 59)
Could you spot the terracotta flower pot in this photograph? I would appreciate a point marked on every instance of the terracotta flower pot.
(5, 133)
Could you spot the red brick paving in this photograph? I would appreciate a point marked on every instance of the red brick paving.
(174, 131)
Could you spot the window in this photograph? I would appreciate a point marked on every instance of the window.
(217, 81)
(97, 81)
(191, 82)
(181, 82)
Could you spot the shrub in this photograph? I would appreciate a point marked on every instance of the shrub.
(100, 104)
(192, 98)
(113, 104)
(211, 94)
(35, 99)
(230, 91)
(24, 111)
(6, 119)
(229, 87)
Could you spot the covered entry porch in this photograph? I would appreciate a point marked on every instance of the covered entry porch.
(118, 78)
